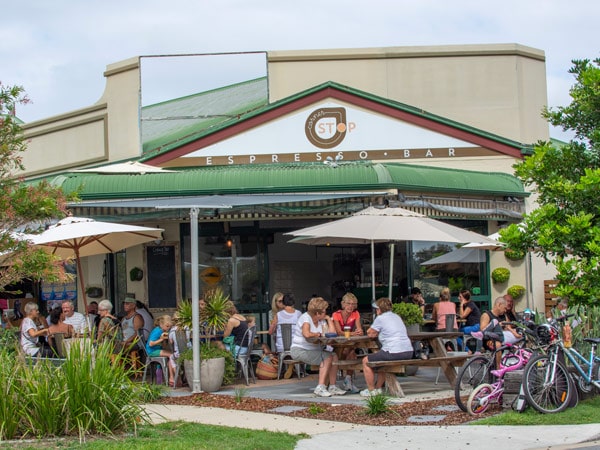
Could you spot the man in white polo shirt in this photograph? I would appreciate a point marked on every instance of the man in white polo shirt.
(73, 318)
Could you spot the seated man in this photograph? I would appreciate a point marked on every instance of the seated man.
(491, 329)
(395, 344)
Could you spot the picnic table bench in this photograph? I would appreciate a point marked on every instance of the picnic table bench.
(439, 358)
(393, 368)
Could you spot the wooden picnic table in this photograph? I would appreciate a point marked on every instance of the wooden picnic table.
(438, 358)
(339, 343)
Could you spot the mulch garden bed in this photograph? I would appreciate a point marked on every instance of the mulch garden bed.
(399, 414)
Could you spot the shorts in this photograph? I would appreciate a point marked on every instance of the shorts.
(154, 353)
(312, 357)
(383, 355)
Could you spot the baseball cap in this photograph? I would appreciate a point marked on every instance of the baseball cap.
(415, 290)
(129, 300)
(374, 305)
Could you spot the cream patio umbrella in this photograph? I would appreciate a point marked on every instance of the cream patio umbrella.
(372, 225)
(456, 258)
(76, 237)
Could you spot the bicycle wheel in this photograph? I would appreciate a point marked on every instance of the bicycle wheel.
(479, 400)
(475, 372)
(544, 396)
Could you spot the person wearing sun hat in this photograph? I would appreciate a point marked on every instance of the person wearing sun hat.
(389, 328)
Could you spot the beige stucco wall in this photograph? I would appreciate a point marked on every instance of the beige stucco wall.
(498, 88)
(106, 131)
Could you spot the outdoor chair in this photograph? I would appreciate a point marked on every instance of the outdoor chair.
(182, 345)
(286, 337)
(243, 359)
(162, 361)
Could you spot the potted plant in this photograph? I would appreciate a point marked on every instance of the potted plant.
(217, 366)
(516, 291)
(213, 317)
(411, 315)
(500, 275)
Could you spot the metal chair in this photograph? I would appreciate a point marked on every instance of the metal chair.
(182, 345)
(286, 337)
(59, 344)
(243, 359)
(162, 361)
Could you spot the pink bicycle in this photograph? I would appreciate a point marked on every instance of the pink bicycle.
(486, 394)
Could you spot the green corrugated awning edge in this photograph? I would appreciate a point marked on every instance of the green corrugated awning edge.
(290, 178)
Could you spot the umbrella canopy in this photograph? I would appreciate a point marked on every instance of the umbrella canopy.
(456, 258)
(494, 245)
(459, 256)
(385, 225)
(76, 237)
(373, 225)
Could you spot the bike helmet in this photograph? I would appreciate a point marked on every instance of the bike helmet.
(546, 334)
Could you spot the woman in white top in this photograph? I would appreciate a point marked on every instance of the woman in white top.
(288, 314)
(311, 324)
(30, 333)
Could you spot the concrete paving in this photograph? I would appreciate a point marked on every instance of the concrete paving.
(328, 434)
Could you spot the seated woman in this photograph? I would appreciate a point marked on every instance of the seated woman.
(237, 325)
(57, 325)
(157, 339)
(468, 311)
(441, 308)
(310, 325)
(349, 317)
(395, 344)
(289, 314)
(109, 327)
(30, 333)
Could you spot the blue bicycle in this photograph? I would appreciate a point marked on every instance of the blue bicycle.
(548, 384)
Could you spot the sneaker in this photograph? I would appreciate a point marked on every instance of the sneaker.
(368, 393)
(321, 391)
(349, 386)
(477, 335)
(334, 390)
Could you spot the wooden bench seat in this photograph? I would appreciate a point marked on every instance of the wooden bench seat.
(393, 368)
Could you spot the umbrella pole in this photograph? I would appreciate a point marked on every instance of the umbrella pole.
(82, 284)
(373, 270)
(391, 283)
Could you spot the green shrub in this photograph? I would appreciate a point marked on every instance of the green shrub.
(516, 291)
(91, 392)
(514, 255)
(410, 313)
(500, 275)
(377, 404)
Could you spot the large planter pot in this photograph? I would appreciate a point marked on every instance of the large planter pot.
(414, 328)
(211, 373)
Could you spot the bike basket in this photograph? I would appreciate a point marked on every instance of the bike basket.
(546, 334)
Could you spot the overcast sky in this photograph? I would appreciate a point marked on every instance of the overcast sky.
(59, 50)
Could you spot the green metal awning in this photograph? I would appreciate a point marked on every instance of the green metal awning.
(291, 178)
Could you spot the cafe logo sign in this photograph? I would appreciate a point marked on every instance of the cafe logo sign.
(327, 127)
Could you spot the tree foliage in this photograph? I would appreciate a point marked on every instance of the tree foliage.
(22, 205)
(565, 229)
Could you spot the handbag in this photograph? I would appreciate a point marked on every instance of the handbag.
(267, 368)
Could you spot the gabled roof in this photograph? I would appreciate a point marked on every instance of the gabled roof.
(234, 121)
(175, 120)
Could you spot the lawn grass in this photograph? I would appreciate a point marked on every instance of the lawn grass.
(176, 435)
(587, 411)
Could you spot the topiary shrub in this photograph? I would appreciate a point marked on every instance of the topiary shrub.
(410, 313)
(516, 291)
(514, 255)
(500, 275)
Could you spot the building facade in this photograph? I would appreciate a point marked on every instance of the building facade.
(325, 134)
